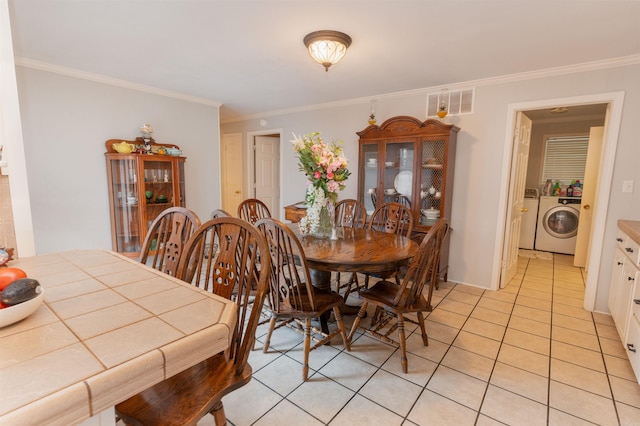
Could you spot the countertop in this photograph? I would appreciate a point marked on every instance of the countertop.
(108, 329)
(631, 228)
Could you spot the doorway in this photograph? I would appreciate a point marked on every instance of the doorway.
(612, 125)
(264, 170)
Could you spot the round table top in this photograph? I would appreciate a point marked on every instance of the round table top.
(357, 250)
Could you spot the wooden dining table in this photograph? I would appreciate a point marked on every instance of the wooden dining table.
(356, 250)
(109, 328)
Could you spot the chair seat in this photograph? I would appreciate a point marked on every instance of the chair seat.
(383, 293)
(186, 397)
(323, 299)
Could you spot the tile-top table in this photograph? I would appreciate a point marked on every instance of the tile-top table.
(108, 329)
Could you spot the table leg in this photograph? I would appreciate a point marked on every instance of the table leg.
(322, 281)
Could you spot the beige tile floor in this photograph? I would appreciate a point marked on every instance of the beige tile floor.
(525, 355)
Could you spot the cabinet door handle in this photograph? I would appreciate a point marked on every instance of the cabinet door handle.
(586, 207)
(524, 210)
(631, 347)
(619, 239)
(631, 278)
(629, 250)
(636, 301)
(619, 263)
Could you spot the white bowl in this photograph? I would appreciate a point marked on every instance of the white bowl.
(389, 191)
(389, 163)
(15, 313)
(431, 213)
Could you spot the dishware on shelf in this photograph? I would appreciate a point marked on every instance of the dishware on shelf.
(403, 183)
(132, 200)
(388, 163)
(148, 195)
(432, 190)
(389, 191)
(15, 313)
(161, 199)
(438, 194)
(431, 214)
(371, 190)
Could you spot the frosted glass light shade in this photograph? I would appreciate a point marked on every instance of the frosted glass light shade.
(327, 47)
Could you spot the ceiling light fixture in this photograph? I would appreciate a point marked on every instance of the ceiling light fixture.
(559, 110)
(327, 47)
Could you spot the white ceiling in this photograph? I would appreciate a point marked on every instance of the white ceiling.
(249, 56)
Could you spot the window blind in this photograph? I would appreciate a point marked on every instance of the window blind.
(565, 159)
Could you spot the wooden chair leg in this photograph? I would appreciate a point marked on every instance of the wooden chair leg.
(267, 340)
(356, 322)
(343, 331)
(218, 414)
(425, 338)
(307, 348)
(403, 344)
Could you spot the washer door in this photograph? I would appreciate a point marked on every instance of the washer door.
(561, 222)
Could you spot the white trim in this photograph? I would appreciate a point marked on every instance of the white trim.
(71, 72)
(614, 117)
(549, 72)
(568, 69)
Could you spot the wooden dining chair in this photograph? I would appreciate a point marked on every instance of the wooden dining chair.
(349, 213)
(292, 298)
(253, 209)
(185, 398)
(395, 301)
(220, 213)
(166, 237)
(393, 218)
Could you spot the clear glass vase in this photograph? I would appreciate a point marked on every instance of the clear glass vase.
(323, 230)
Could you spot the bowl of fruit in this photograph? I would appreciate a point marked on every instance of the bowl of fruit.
(20, 296)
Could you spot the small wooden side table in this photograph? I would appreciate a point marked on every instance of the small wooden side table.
(295, 212)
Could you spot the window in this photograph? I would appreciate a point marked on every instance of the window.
(565, 158)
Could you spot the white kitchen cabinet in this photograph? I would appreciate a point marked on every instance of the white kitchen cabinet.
(624, 292)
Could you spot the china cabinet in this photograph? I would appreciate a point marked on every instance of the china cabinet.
(140, 187)
(411, 162)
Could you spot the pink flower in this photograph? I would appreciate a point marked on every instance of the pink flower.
(329, 175)
(333, 186)
(317, 175)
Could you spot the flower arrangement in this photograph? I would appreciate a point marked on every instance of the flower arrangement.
(326, 171)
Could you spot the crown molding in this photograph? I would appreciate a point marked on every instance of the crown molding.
(72, 72)
(529, 75)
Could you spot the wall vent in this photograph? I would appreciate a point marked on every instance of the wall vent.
(457, 102)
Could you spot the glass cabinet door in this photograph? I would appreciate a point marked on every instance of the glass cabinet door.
(398, 172)
(370, 176)
(124, 193)
(432, 181)
(158, 187)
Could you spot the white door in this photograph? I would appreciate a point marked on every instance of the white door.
(515, 207)
(589, 189)
(266, 172)
(231, 164)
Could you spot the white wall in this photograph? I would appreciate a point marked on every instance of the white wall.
(66, 122)
(479, 157)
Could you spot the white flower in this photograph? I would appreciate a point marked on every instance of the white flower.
(146, 128)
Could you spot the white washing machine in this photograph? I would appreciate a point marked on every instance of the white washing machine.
(529, 219)
(558, 224)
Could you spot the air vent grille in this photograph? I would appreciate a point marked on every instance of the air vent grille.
(457, 102)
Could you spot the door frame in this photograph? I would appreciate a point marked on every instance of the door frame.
(250, 172)
(610, 143)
